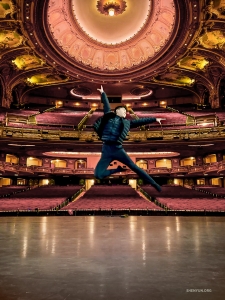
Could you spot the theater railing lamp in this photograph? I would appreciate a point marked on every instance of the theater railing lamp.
(111, 8)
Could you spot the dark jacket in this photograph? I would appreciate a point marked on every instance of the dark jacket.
(126, 124)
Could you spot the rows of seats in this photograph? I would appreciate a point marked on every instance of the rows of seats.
(30, 203)
(60, 118)
(22, 112)
(8, 190)
(52, 118)
(116, 197)
(213, 190)
(51, 191)
(45, 197)
(207, 204)
(174, 192)
(180, 198)
(42, 127)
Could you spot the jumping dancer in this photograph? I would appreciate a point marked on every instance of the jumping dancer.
(112, 129)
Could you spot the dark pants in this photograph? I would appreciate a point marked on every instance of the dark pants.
(116, 152)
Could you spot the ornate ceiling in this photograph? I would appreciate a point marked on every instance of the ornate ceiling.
(104, 43)
(47, 45)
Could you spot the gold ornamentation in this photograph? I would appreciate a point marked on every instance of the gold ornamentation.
(111, 7)
(213, 39)
(175, 79)
(6, 7)
(216, 7)
(193, 63)
(46, 79)
(10, 39)
(27, 62)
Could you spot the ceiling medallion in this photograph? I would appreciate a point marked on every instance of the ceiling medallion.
(111, 8)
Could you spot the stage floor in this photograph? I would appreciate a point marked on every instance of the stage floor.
(97, 257)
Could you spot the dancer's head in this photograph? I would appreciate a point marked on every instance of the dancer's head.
(121, 111)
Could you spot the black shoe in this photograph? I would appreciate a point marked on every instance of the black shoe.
(157, 187)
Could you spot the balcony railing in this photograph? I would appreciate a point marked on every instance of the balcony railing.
(169, 133)
(196, 169)
(217, 167)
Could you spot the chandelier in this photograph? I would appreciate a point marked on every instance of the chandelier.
(111, 8)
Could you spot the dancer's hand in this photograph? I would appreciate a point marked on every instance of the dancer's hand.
(101, 89)
(159, 120)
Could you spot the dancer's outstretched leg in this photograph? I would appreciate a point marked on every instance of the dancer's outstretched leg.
(122, 156)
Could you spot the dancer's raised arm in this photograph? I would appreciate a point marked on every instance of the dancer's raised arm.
(104, 100)
(101, 90)
(144, 121)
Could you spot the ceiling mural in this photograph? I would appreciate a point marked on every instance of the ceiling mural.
(6, 7)
(27, 62)
(175, 79)
(105, 43)
(213, 39)
(193, 63)
(45, 79)
(217, 7)
(10, 39)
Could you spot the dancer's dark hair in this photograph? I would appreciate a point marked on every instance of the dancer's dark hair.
(120, 106)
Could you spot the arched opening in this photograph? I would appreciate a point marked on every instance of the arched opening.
(5, 181)
(21, 181)
(178, 181)
(188, 161)
(33, 182)
(80, 164)
(143, 164)
(206, 98)
(58, 163)
(216, 181)
(209, 159)
(201, 181)
(12, 159)
(33, 161)
(164, 163)
(46, 182)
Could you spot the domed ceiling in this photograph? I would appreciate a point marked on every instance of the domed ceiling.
(102, 42)
(169, 47)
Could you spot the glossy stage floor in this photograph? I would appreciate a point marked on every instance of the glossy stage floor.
(97, 257)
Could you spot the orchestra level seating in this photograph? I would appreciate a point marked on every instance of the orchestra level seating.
(115, 197)
(180, 198)
(41, 198)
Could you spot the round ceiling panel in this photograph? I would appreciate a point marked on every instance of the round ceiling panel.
(111, 30)
(105, 43)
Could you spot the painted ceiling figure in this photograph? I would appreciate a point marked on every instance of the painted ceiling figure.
(113, 128)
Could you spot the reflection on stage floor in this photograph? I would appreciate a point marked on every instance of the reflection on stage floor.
(97, 257)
